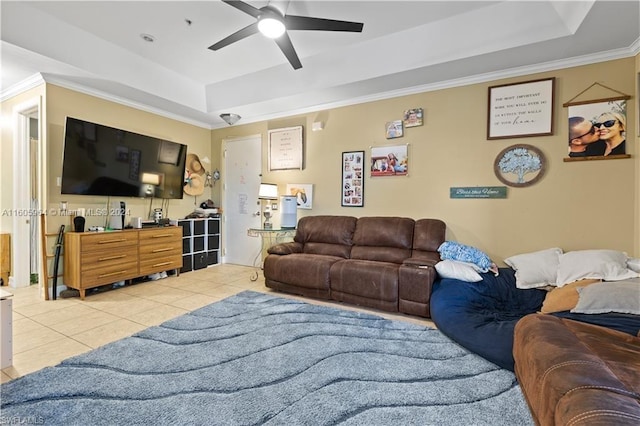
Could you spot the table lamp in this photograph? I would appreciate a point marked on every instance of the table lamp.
(150, 182)
(268, 191)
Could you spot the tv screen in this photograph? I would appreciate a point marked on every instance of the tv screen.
(102, 160)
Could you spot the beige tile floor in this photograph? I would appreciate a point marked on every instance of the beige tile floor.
(47, 332)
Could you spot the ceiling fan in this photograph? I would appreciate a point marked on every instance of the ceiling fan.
(274, 24)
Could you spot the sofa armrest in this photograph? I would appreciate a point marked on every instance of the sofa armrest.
(424, 259)
(285, 248)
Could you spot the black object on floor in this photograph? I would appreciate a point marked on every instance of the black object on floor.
(56, 261)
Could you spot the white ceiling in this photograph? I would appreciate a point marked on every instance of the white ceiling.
(405, 47)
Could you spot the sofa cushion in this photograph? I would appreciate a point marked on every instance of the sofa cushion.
(383, 239)
(428, 234)
(300, 270)
(326, 235)
(368, 279)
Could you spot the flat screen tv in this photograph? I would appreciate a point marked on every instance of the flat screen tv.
(102, 160)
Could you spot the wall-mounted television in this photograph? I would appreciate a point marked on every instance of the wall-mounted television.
(102, 160)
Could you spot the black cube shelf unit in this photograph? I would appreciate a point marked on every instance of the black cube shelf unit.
(200, 243)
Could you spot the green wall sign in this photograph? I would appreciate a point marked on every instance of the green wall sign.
(478, 192)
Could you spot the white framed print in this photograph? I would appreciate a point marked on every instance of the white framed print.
(285, 148)
(521, 110)
(303, 193)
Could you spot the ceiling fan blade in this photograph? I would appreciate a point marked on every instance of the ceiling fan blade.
(237, 36)
(284, 43)
(244, 7)
(293, 22)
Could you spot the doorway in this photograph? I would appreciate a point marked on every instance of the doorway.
(27, 195)
(242, 173)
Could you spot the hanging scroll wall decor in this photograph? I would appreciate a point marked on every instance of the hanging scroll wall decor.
(597, 128)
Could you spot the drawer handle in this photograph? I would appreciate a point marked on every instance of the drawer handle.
(119, 256)
(112, 241)
(161, 235)
(162, 249)
(162, 264)
(112, 273)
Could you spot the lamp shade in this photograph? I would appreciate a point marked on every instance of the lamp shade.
(268, 191)
(151, 178)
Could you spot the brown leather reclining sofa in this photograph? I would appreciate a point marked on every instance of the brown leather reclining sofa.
(574, 373)
(379, 262)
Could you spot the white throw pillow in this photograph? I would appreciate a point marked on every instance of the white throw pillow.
(536, 269)
(607, 265)
(620, 296)
(633, 264)
(457, 270)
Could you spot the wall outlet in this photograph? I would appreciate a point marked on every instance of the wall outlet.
(274, 206)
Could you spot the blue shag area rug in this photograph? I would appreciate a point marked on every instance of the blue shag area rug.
(259, 359)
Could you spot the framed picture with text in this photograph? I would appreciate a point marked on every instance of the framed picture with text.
(352, 179)
(521, 110)
(285, 149)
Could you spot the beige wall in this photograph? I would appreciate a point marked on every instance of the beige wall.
(63, 102)
(577, 205)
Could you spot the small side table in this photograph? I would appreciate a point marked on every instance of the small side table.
(6, 329)
(270, 237)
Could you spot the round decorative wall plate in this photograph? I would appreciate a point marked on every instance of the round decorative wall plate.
(520, 165)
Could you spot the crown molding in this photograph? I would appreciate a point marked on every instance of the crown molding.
(38, 79)
(632, 50)
(122, 101)
(27, 84)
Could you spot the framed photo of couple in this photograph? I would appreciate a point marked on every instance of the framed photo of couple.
(597, 130)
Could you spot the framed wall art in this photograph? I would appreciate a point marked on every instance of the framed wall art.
(394, 129)
(303, 193)
(413, 117)
(134, 164)
(122, 153)
(520, 165)
(597, 131)
(521, 110)
(285, 148)
(353, 179)
(169, 152)
(390, 160)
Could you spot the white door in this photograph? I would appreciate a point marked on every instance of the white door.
(26, 195)
(241, 179)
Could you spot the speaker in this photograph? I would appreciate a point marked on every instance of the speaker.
(116, 215)
(78, 224)
(289, 211)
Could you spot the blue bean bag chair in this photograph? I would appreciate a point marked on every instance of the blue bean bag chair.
(481, 316)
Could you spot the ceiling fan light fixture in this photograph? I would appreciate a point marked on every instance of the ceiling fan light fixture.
(271, 26)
